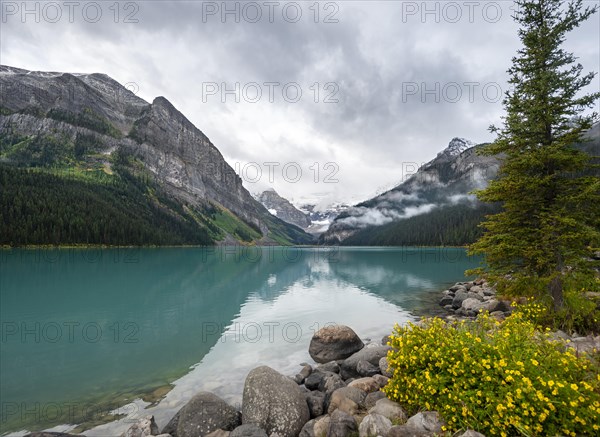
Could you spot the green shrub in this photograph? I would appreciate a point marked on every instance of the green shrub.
(497, 378)
(580, 314)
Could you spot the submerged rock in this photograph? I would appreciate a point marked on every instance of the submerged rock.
(144, 427)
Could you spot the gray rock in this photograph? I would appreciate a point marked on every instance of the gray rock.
(381, 380)
(308, 430)
(341, 424)
(370, 354)
(476, 289)
(374, 425)
(471, 433)
(315, 378)
(217, 433)
(426, 423)
(304, 373)
(337, 398)
(457, 287)
(390, 409)
(471, 304)
(367, 385)
(316, 403)
(322, 426)
(478, 295)
(384, 368)
(334, 343)
(331, 383)
(385, 340)
(458, 298)
(144, 427)
(274, 403)
(489, 292)
(331, 366)
(373, 397)
(248, 430)
(364, 368)
(446, 300)
(203, 414)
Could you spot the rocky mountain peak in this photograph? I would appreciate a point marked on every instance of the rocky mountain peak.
(283, 209)
(457, 146)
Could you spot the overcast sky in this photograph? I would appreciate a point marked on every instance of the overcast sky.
(383, 84)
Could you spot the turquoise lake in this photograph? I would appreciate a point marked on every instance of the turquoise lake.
(98, 329)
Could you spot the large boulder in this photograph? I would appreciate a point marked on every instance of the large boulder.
(334, 343)
(331, 383)
(331, 366)
(458, 298)
(316, 403)
(274, 402)
(348, 399)
(373, 355)
(372, 398)
(374, 425)
(341, 424)
(390, 409)
(425, 423)
(203, 414)
(368, 385)
(472, 304)
(364, 368)
(144, 427)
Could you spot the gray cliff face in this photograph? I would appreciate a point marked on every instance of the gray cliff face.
(283, 209)
(446, 180)
(192, 168)
(181, 157)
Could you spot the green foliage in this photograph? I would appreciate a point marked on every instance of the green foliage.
(497, 378)
(38, 151)
(540, 243)
(579, 314)
(449, 226)
(86, 118)
(38, 208)
(85, 144)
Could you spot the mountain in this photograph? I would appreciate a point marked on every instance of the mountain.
(321, 216)
(432, 206)
(283, 209)
(122, 163)
(442, 184)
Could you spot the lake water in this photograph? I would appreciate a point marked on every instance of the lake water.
(87, 331)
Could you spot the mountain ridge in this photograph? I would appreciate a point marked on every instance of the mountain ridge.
(57, 112)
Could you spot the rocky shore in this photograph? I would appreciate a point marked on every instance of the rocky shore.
(338, 396)
(467, 299)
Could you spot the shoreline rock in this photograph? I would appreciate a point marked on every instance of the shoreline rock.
(465, 300)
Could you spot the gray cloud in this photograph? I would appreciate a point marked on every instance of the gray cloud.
(375, 55)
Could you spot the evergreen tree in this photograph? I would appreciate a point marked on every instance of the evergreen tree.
(541, 241)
